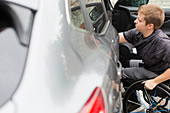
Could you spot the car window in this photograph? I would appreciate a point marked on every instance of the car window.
(77, 18)
(96, 13)
(13, 47)
(133, 3)
(161, 3)
(138, 3)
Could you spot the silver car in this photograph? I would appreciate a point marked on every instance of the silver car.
(58, 56)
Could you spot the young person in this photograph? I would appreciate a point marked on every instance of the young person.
(153, 46)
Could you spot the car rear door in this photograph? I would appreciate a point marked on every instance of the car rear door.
(106, 37)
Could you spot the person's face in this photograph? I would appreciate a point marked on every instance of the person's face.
(140, 23)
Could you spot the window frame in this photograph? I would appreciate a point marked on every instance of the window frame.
(88, 22)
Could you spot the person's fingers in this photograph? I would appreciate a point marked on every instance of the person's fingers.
(143, 82)
(147, 87)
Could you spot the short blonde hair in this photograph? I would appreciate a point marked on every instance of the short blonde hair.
(153, 15)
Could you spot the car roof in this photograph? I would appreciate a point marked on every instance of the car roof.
(33, 4)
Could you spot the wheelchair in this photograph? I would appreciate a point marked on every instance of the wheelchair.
(137, 99)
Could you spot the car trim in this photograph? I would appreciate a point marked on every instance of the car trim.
(105, 28)
(67, 9)
(34, 4)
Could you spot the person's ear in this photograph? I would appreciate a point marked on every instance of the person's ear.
(150, 26)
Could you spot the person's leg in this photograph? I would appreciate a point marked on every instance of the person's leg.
(132, 74)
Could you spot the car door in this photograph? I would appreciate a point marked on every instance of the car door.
(96, 21)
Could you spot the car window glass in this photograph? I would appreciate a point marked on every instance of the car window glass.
(13, 50)
(133, 3)
(137, 3)
(96, 13)
(161, 3)
(76, 14)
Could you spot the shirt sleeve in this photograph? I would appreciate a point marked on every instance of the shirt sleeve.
(163, 51)
(130, 35)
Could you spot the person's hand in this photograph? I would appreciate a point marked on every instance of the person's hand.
(149, 84)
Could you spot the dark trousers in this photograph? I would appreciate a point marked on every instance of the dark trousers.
(132, 74)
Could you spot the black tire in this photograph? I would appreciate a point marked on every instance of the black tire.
(156, 100)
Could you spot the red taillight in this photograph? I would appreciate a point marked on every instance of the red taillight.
(95, 104)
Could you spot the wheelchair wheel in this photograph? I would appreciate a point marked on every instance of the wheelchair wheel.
(140, 100)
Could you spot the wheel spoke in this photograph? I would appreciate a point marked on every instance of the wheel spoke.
(147, 95)
(140, 109)
(153, 98)
(140, 99)
(139, 104)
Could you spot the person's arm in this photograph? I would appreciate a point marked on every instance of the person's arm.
(152, 83)
(122, 38)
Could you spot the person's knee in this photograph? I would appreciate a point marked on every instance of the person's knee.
(128, 76)
(127, 73)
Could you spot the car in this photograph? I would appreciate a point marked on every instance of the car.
(62, 56)
(58, 56)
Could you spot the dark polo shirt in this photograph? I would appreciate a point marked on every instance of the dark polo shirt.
(154, 49)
